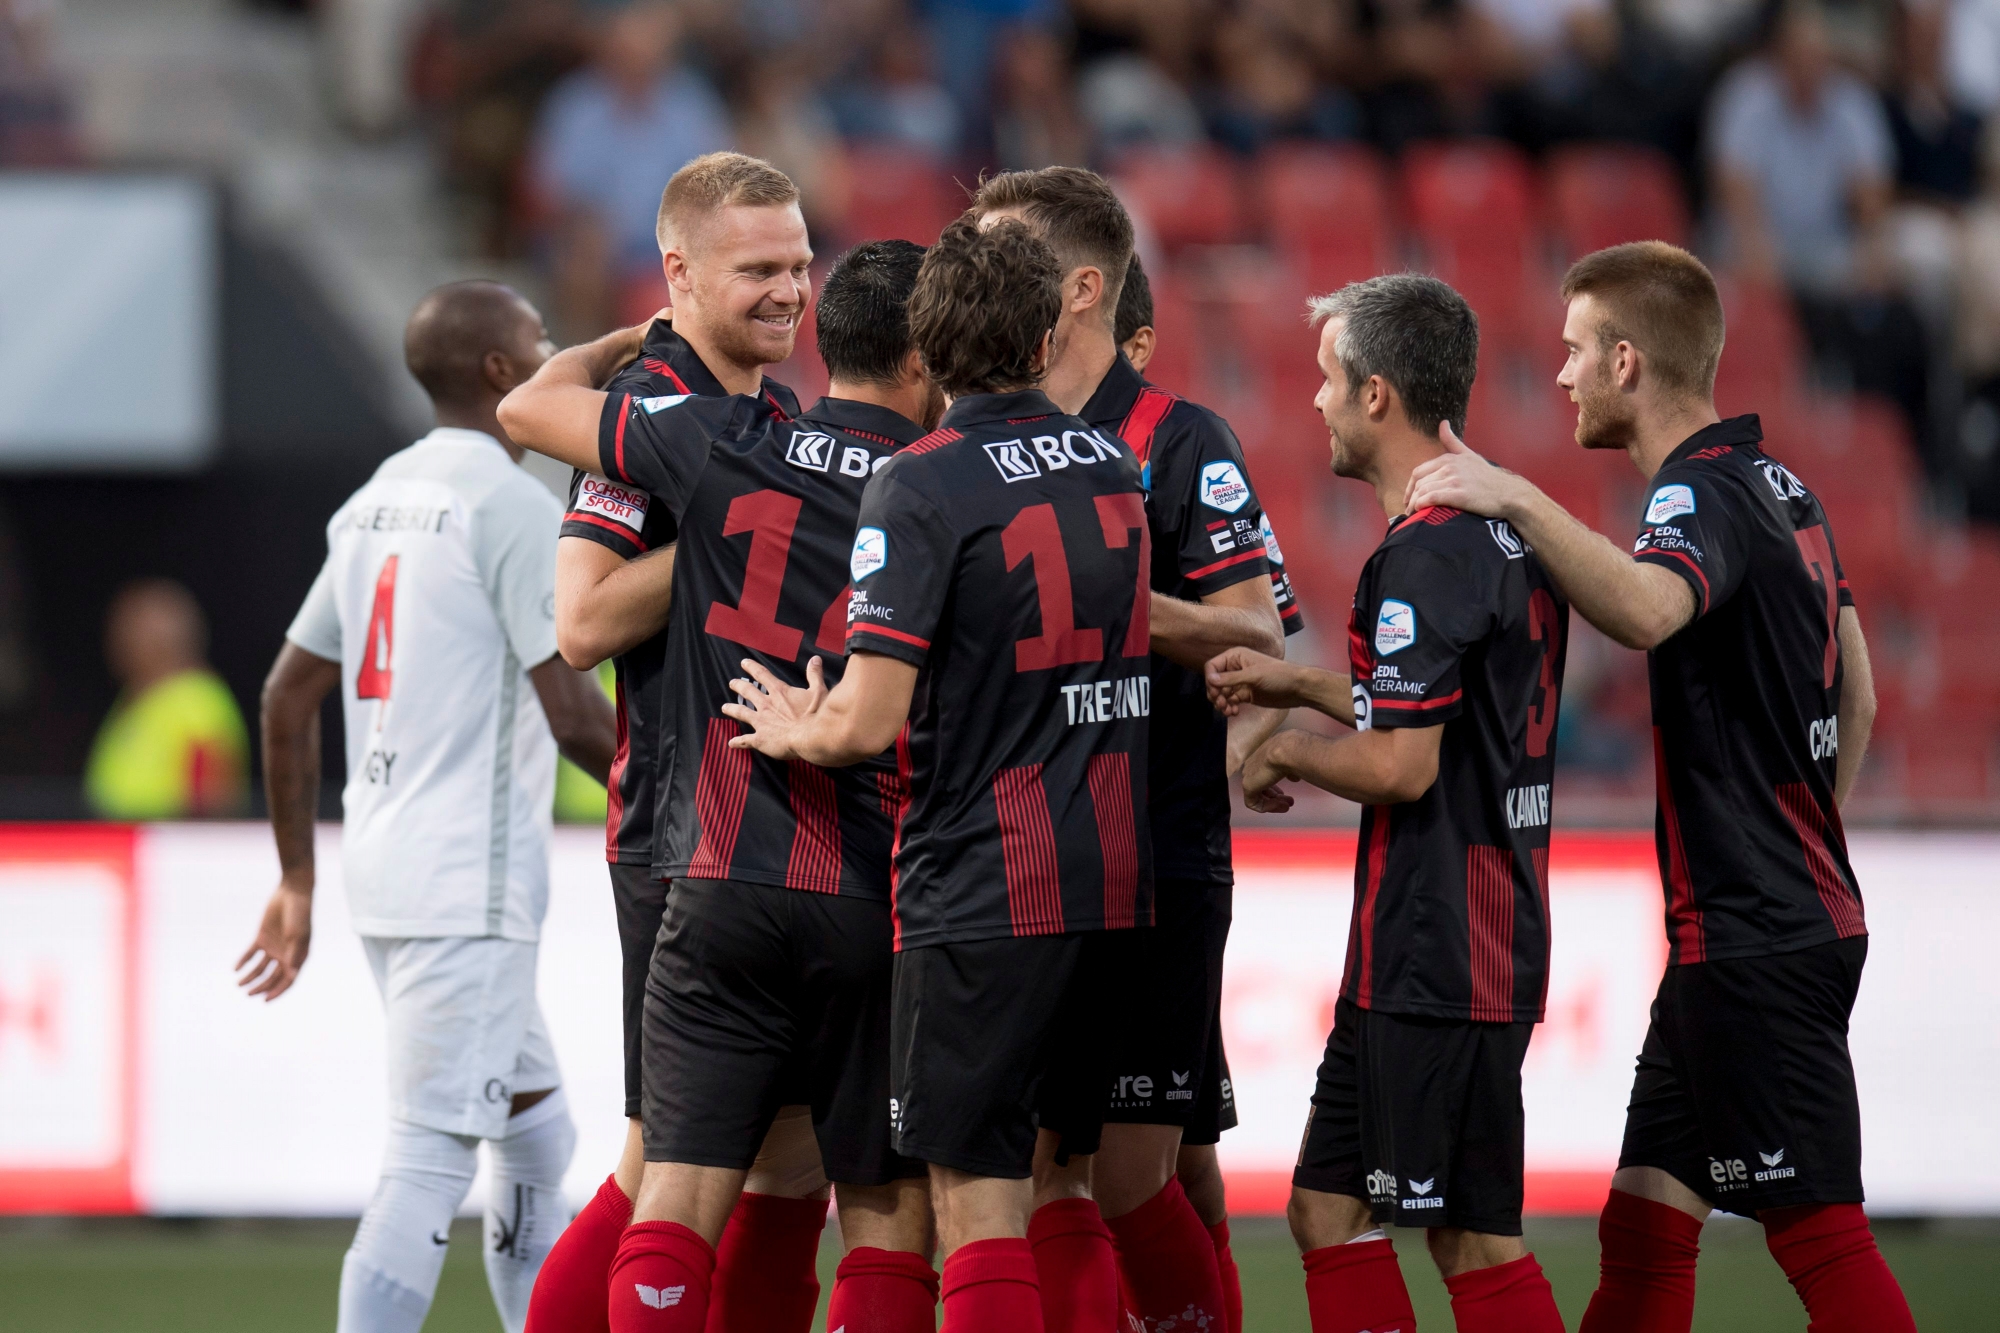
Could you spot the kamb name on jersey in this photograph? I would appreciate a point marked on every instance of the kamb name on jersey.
(1109, 700)
(1528, 807)
(397, 518)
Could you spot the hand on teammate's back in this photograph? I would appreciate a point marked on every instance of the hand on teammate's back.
(272, 962)
(1461, 479)
(774, 710)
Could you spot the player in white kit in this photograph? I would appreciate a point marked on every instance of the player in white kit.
(434, 617)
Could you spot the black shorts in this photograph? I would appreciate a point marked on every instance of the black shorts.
(1421, 1117)
(762, 997)
(1167, 1066)
(1745, 1092)
(640, 901)
(994, 1040)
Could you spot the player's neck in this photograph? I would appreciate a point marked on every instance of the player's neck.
(733, 376)
(905, 400)
(1086, 359)
(1395, 459)
(485, 419)
(1665, 429)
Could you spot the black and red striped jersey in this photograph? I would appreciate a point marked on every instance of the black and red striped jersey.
(1746, 704)
(766, 509)
(623, 518)
(1005, 555)
(1209, 532)
(1456, 624)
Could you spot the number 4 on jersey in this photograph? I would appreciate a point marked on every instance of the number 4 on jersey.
(374, 678)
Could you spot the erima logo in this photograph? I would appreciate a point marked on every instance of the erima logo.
(659, 1297)
(1668, 502)
(653, 405)
(810, 450)
(1395, 626)
(1424, 1199)
(1180, 1092)
(871, 552)
(1772, 1158)
(1013, 459)
(1506, 538)
(1223, 487)
(1180, 1081)
(1773, 1170)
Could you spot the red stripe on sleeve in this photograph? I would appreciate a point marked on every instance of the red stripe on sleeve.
(721, 786)
(609, 525)
(814, 865)
(1144, 420)
(1206, 570)
(618, 438)
(1416, 705)
(1110, 780)
(1028, 851)
(1489, 920)
(887, 633)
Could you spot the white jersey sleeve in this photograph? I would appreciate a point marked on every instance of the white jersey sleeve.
(513, 537)
(316, 628)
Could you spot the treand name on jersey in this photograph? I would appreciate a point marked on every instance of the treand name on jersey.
(1109, 700)
(1023, 459)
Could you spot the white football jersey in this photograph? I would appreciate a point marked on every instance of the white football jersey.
(437, 595)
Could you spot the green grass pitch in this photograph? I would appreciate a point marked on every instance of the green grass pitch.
(117, 1276)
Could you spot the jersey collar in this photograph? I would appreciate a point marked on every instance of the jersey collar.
(977, 408)
(1732, 431)
(666, 353)
(1116, 394)
(865, 419)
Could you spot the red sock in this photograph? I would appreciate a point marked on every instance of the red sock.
(990, 1287)
(1506, 1298)
(766, 1268)
(1169, 1261)
(1357, 1288)
(1647, 1254)
(571, 1291)
(659, 1281)
(1232, 1283)
(883, 1291)
(1829, 1254)
(1076, 1266)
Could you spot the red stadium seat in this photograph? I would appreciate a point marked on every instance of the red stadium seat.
(1764, 353)
(1328, 211)
(1472, 203)
(1186, 196)
(1604, 194)
(898, 194)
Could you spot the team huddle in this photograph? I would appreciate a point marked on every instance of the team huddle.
(927, 702)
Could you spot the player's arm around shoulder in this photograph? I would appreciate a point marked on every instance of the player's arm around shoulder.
(1640, 605)
(558, 410)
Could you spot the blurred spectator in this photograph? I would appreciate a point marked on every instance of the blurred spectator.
(1701, 29)
(966, 34)
(610, 136)
(36, 122)
(1267, 88)
(1035, 120)
(1129, 100)
(1937, 168)
(1437, 68)
(1972, 52)
(782, 120)
(899, 101)
(174, 744)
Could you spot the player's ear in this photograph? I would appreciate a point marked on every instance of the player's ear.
(1378, 398)
(497, 369)
(1086, 288)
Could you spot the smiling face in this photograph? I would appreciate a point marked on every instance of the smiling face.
(742, 278)
(1340, 407)
(1605, 416)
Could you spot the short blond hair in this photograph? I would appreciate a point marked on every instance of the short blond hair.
(1663, 301)
(715, 181)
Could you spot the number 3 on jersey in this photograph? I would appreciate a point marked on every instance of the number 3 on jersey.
(374, 678)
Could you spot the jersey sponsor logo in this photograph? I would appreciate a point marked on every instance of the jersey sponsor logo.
(1180, 1092)
(662, 403)
(1109, 700)
(1014, 459)
(810, 450)
(1395, 626)
(1388, 679)
(1223, 487)
(1128, 1090)
(1271, 551)
(1221, 537)
(1823, 737)
(607, 499)
(1528, 807)
(871, 552)
(1781, 481)
(1666, 537)
(1072, 446)
(1506, 538)
(1420, 1195)
(854, 462)
(1381, 1187)
(1774, 1167)
(1669, 501)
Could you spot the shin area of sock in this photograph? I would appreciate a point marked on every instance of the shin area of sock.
(1513, 1297)
(660, 1280)
(1357, 1288)
(573, 1289)
(1232, 1281)
(1169, 1261)
(1830, 1256)
(1646, 1267)
(766, 1266)
(1076, 1267)
(990, 1286)
(883, 1291)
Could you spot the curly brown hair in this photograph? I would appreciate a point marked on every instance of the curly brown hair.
(984, 302)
